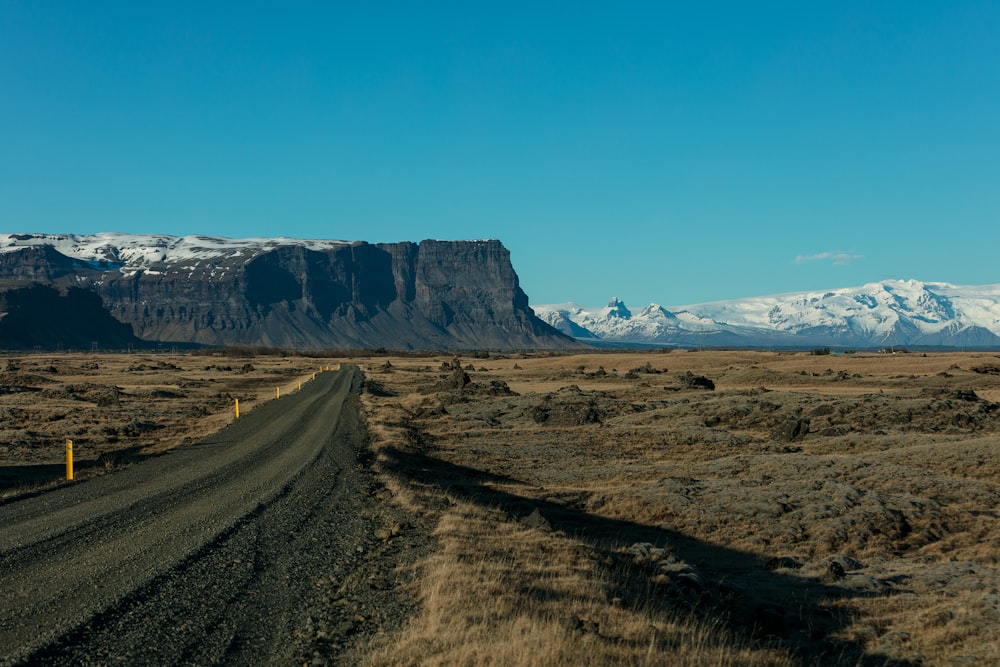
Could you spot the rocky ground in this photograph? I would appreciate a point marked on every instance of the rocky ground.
(707, 507)
(833, 508)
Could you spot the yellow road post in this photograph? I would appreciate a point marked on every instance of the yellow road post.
(237, 408)
(277, 392)
(69, 459)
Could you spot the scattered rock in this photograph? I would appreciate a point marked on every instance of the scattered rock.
(834, 572)
(581, 625)
(498, 388)
(791, 430)
(539, 414)
(784, 562)
(425, 411)
(846, 563)
(832, 431)
(536, 520)
(166, 393)
(376, 388)
(109, 399)
(691, 381)
(821, 410)
(457, 379)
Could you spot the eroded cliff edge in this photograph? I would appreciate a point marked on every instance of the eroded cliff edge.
(431, 295)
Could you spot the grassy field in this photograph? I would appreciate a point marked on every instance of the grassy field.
(702, 508)
(613, 509)
(121, 408)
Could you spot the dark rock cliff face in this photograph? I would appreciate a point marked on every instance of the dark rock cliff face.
(42, 264)
(431, 295)
(47, 317)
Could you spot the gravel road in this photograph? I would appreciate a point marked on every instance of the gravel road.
(239, 549)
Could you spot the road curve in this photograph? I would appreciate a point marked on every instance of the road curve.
(196, 556)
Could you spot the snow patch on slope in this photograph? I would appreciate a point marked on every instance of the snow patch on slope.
(889, 312)
(132, 252)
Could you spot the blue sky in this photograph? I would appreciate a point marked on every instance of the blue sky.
(657, 151)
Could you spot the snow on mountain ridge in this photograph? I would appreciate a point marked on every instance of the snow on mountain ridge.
(887, 312)
(131, 252)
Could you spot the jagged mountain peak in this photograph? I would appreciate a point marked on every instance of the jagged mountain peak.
(616, 308)
(657, 311)
(898, 312)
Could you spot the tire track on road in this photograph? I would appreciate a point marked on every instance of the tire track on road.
(189, 557)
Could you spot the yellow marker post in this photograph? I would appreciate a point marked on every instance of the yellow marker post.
(277, 392)
(314, 376)
(300, 386)
(69, 459)
(237, 408)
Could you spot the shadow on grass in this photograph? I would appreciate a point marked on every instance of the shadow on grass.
(759, 605)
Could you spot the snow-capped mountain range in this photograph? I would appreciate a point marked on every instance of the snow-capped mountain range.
(886, 313)
(134, 252)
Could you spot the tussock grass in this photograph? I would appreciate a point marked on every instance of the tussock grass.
(500, 591)
(868, 534)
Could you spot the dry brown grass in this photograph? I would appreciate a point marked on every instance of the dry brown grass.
(119, 408)
(605, 517)
(894, 479)
(502, 591)
(496, 592)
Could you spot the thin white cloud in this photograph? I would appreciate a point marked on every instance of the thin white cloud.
(836, 258)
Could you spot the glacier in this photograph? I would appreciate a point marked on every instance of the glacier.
(874, 315)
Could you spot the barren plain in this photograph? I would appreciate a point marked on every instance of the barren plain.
(743, 508)
(699, 507)
(118, 409)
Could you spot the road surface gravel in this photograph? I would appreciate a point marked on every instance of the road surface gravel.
(253, 546)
